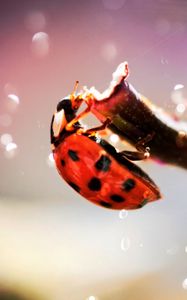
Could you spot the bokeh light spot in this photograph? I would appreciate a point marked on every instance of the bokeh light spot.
(184, 284)
(125, 243)
(180, 108)
(164, 61)
(109, 51)
(11, 150)
(14, 98)
(123, 214)
(92, 298)
(50, 160)
(178, 86)
(35, 21)
(6, 138)
(11, 146)
(114, 138)
(40, 44)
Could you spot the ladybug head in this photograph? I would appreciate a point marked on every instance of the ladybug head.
(65, 112)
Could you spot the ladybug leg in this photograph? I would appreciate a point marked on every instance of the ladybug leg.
(133, 155)
(69, 126)
(143, 151)
(98, 128)
(141, 144)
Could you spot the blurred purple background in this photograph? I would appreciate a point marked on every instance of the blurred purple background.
(52, 240)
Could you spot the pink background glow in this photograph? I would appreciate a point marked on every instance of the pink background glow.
(52, 239)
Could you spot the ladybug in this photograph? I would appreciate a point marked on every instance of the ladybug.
(135, 119)
(92, 166)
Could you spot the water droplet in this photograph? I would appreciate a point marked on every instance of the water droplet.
(123, 214)
(141, 245)
(184, 284)
(6, 138)
(113, 4)
(14, 98)
(11, 150)
(178, 86)
(40, 44)
(109, 51)
(5, 120)
(125, 243)
(185, 249)
(11, 146)
(114, 138)
(180, 108)
(164, 61)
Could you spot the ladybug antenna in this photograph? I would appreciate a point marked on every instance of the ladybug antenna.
(72, 96)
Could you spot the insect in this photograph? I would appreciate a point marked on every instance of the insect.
(92, 166)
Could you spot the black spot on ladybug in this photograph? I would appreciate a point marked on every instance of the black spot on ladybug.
(94, 184)
(128, 184)
(73, 155)
(62, 162)
(74, 186)
(117, 198)
(143, 203)
(105, 204)
(103, 163)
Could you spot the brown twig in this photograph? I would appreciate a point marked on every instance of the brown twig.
(137, 120)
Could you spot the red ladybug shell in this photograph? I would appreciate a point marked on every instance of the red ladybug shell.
(102, 176)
